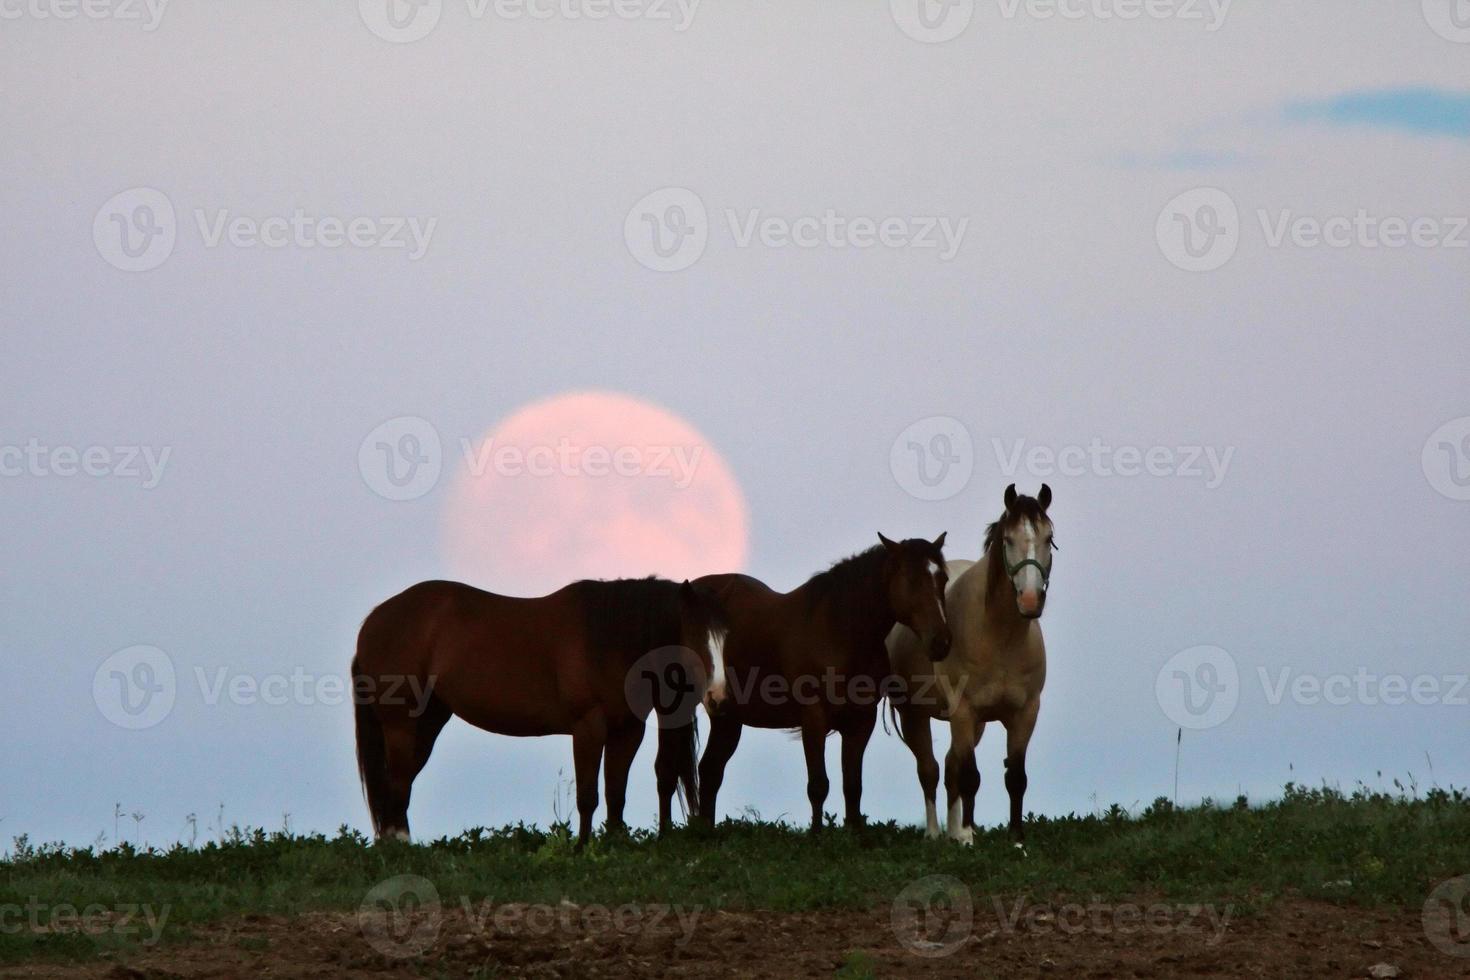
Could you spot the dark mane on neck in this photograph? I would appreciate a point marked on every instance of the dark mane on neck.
(628, 617)
(848, 585)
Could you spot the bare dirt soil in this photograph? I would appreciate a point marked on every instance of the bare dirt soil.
(1294, 938)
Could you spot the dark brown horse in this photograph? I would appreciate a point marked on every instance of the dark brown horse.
(814, 659)
(562, 664)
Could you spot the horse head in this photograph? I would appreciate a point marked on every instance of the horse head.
(916, 578)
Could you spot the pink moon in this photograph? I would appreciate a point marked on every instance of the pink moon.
(592, 485)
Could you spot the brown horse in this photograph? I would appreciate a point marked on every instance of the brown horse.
(563, 664)
(814, 659)
(997, 670)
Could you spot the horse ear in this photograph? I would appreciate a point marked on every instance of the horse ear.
(1044, 497)
(939, 541)
(890, 545)
(687, 595)
(1010, 496)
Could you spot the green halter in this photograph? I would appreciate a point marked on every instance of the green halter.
(1011, 570)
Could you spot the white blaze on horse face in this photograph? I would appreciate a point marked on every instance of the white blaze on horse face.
(1028, 581)
(935, 570)
(717, 656)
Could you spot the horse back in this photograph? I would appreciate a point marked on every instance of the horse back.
(512, 665)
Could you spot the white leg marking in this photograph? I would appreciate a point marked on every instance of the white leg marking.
(717, 655)
(931, 817)
(957, 830)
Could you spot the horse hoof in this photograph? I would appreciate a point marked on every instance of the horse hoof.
(964, 836)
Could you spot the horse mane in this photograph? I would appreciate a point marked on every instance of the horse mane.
(630, 615)
(844, 582)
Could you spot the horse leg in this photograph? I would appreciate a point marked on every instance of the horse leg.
(1018, 737)
(963, 734)
(724, 736)
(920, 739)
(408, 738)
(622, 746)
(969, 789)
(854, 745)
(588, 737)
(814, 742)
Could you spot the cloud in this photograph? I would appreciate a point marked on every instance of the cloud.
(1424, 111)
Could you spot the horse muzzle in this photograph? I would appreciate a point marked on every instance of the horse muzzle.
(940, 644)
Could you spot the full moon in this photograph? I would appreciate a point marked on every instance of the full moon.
(592, 485)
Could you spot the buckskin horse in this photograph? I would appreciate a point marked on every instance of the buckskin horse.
(814, 659)
(555, 665)
(996, 671)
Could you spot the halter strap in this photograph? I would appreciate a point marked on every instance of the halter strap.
(1011, 570)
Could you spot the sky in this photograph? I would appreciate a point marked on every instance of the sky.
(1202, 268)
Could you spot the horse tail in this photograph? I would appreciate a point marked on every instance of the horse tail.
(372, 757)
(688, 787)
(892, 713)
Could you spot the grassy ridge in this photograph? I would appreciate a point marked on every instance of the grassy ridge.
(1363, 848)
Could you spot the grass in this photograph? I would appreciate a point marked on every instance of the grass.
(1366, 848)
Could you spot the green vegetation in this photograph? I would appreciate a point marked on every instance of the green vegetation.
(1360, 848)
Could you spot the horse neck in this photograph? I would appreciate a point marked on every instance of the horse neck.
(864, 618)
(1000, 619)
